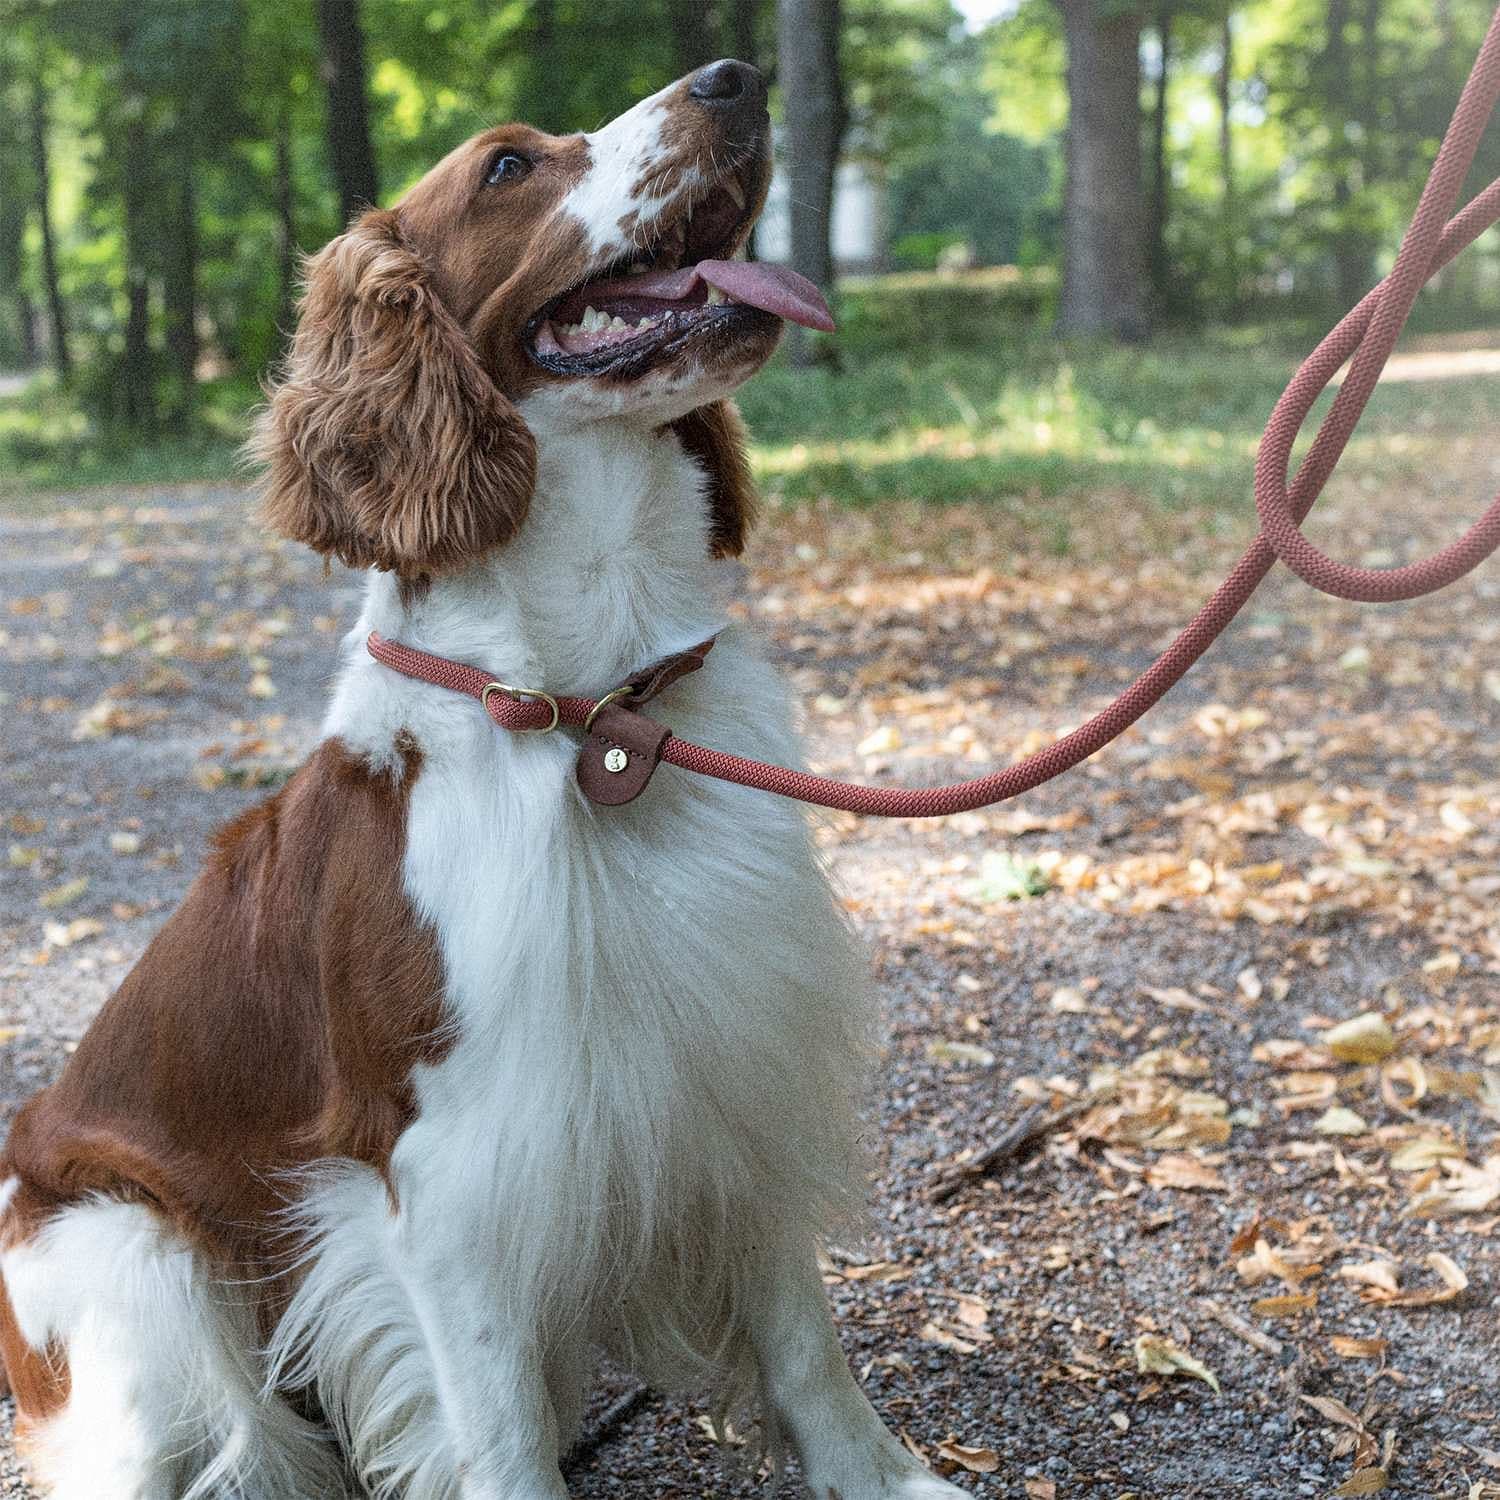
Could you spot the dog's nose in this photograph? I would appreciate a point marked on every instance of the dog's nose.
(729, 85)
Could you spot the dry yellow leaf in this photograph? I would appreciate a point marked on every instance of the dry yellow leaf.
(1347, 1347)
(935, 1333)
(1155, 1355)
(1289, 1306)
(1368, 1038)
(1427, 1151)
(1380, 1274)
(61, 895)
(1337, 1120)
(1185, 1172)
(882, 742)
(1363, 1482)
(975, 1460)
(961, 1052)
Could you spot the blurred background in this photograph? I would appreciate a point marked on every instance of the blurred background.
(983, 183)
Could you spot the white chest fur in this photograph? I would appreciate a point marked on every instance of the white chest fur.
(657, 1013)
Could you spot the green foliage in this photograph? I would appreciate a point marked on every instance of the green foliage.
(208, 118)
(919, 312)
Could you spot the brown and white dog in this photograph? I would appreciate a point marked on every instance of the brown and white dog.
(442, 1077)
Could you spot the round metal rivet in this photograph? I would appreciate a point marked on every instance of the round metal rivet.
(615, 760)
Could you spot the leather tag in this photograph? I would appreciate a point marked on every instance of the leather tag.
(621, 753)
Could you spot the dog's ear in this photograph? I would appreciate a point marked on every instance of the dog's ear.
(716, 436)
(385, 443)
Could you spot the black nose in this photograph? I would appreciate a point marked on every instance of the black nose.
(728, 84)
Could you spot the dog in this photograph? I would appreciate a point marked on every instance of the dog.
(444, 1078)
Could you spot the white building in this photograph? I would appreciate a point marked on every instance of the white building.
(859, 220)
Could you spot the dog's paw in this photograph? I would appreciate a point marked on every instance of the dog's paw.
(926, 1487)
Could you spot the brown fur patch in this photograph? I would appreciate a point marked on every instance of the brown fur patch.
(273, 1021)
(387, 444)
(716, 436)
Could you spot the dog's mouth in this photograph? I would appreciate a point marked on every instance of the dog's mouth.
(681, 286)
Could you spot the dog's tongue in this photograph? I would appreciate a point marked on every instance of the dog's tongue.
(774, 289)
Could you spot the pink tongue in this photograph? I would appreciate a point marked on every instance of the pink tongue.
(774, 289)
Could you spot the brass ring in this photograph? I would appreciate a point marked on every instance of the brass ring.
(613, 696)
(519, 692)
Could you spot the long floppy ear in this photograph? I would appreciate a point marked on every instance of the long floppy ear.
(717, 437)
(386, 444)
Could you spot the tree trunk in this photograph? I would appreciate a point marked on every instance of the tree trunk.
(180, 281)
(1351, 257)
(137, 406)
(694, 35)
(62, 361)
(743, 30)
(286, 223)
(812, 103)
(1161, 186)
(1230, 211)
(343, 43)
(1104, 220)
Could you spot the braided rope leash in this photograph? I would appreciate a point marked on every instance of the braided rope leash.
(1369, 333)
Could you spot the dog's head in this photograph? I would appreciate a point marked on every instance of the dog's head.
(580, 277)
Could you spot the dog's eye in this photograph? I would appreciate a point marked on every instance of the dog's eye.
(507, 167)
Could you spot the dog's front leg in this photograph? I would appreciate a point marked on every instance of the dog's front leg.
(488, 1378)
(846, 1451)
(488, 1367)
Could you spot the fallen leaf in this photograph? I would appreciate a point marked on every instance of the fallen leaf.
(975, 1460)
(1426, 1151)
(1289, 1306)
(935, 1333)
(961, 1052)
(1347, 1347)
(1041, 1489)
(1155, 1355)
(65, 934)
(1380, 1274)
(1186, 1172)
(883, 741)
(1368, 1038)
(1333, 1411)
(1363, 1482)
(1337, 1120)
(62, 895)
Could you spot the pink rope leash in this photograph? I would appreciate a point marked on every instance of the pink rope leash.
(1369, 333)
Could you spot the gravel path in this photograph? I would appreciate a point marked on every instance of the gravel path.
(1307, 832)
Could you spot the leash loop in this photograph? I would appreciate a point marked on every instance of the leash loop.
(1372, 330)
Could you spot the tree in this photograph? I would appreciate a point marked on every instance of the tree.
(813, 113)
(694, 33)
(62, 360)
(349, 149)
(1104, 220)
(1161, 175)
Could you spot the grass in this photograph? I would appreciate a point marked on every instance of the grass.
(1026, 421)
(48, 444)
(1178, 421)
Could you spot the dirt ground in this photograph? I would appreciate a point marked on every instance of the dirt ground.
(1144, 961)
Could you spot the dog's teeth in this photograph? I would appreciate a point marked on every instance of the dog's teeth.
(618, 324)
(716, 298)
(593, 320)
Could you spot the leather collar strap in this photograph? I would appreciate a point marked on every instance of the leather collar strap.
(623, 747)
